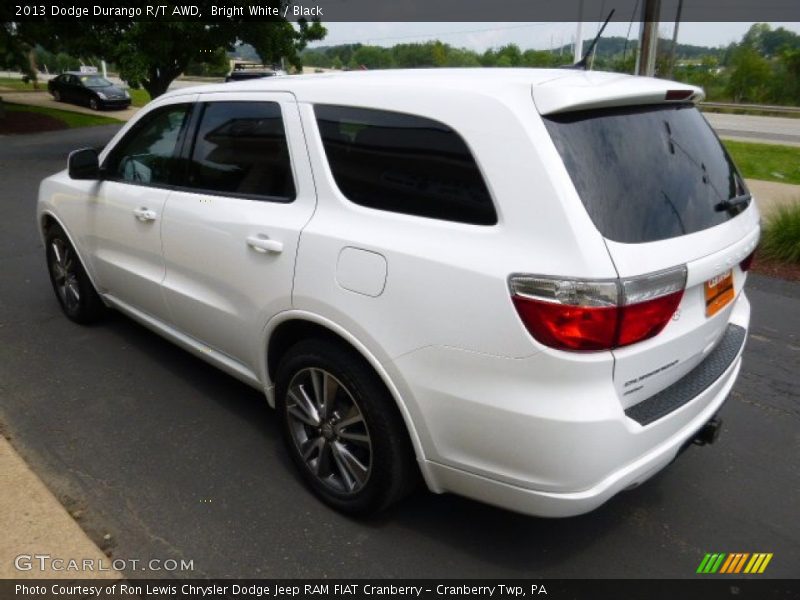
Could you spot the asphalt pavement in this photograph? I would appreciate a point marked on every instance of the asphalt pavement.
(754, 128)
(173, 459)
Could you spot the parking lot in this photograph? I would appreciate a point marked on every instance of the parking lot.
(173, 459)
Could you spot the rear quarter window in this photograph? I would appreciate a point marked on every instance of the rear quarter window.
(647, 173)
(403, 163)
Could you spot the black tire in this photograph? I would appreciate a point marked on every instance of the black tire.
(392, 471)
(73, 289)
(94, 104)
(56, 95)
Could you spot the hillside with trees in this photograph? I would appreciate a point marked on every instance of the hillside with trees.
(763, 67)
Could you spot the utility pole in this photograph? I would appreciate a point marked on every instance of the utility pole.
(648, 40)
(674, 40)
(578, 54)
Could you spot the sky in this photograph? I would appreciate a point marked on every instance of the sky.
(539, 36)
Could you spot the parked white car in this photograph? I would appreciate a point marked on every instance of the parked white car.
(524, 285)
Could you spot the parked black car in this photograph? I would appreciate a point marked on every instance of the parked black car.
(88, 89)
(244, 74)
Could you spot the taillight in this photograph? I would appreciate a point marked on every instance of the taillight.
(590, 315)
(678, 94)
(745, 264)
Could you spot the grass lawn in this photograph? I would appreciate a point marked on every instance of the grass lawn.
(70, 119)
(139, 97)
(769, 162)
(18, 86)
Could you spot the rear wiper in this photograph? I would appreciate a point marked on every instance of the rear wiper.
(733, 202)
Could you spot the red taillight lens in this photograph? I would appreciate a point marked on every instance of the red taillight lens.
(568, 327)
(646, 319)
(745, 264)
(586, 315)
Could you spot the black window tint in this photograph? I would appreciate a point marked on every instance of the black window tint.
(403, 163)
(147, 153)
(241, 149)
(648, 173)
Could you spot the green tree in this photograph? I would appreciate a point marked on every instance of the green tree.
(541, 58)
(461, 57)
(786, 83)
(373, 57)
(214, 63)
(509, 56)
(16, 50)
(750, 75)
(152, 54)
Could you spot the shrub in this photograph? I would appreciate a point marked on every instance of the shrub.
(781, 236)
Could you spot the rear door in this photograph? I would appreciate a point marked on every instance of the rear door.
(230, 231)
(70, 89)
(659, 186)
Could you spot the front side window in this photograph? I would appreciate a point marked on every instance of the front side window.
(147, 154)
(241, 149)
(403, 163)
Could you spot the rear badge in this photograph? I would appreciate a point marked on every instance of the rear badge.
(718, 292)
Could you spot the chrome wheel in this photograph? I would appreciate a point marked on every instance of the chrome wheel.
(329, 430)
(63, 266)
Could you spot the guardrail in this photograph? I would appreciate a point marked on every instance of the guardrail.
(752, 107)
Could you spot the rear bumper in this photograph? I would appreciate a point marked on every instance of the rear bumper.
(543, 442)
(555, 504)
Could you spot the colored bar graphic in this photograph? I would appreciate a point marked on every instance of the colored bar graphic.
(734, 563)
(718, 563)
(727, 564)
(754, 562)
(736, 557)
(703, 563)
(740, 564)
(764, 564)
(730, 564)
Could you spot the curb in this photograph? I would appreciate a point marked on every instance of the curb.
(35, 524)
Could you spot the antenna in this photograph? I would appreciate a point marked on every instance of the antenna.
(582, 63)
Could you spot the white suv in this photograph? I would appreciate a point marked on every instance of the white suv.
(524, 285)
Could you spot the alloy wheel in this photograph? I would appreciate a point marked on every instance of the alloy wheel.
(63, 266)
(329, 430)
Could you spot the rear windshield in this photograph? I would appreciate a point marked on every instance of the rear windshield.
(648, 173)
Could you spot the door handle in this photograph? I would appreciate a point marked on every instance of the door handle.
(145, 214)
(264, 244)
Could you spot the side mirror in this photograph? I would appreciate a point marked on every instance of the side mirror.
(84, 164)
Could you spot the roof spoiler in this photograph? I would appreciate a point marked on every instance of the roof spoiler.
(583, 92)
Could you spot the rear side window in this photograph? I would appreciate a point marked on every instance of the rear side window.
(241, 149)
(403, 163)
(648, 173)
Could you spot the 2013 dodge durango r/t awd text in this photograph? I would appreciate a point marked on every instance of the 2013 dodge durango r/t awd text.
(525, 286)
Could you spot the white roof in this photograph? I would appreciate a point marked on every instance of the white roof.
(553, 90)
